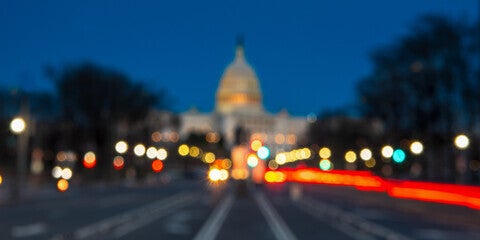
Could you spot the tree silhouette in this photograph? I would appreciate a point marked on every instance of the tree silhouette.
(419, 86)
(96, 104)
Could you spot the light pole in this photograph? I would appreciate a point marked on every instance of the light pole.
(461, 142)
(19, 127)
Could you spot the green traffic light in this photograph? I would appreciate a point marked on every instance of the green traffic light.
(399, 156)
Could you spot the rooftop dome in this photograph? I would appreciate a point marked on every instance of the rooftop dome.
(239, 90)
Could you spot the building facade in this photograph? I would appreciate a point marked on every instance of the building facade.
(239, 105)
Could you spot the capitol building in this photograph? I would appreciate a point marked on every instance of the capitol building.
(239, 106)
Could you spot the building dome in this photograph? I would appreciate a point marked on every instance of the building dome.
(239, 90)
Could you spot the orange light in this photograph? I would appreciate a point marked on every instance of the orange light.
(157, 165)
(118, 163)
(62, 185)
(239, 174)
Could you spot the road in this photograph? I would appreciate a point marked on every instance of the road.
(201, 210)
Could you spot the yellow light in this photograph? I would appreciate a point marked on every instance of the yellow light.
(350, 156)
(365, 154)
(387, 151)
(227, 163)
(239, 174)
(18, 125)
(325, 153)
(370, 163)
(275, 177)
(183, 150)
(416, 147)
(139, 150)
(194, 151)
(1, 179)
(305, 153)
(256, 144)
(121, 147)
(462, 141)
(209, 157)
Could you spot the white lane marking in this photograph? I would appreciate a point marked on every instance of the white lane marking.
(124, 219)
(29, 230)
(151, 215)
(276, 223)
(211, 227)
(347, 219)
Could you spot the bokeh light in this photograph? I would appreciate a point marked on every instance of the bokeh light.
(89, 160)
(370, 163)
(263, 152)
(62, 185)
(252, 160)
(462, 141)
(67, 173)
(118, 163)
(399, 156)
(162, 154)
(281, 158)
(56, 172)
(183, 150)
(121, 147)
(208, 157)
(214, 174)
(256, 144)
(194, 151)
(325, 164)
(139, 150)
(416, 147)
(350, 156)
(18, 125)
(387, 151)
(365, 154)
(151, 152)
(212, 137)
(273, 165)
(157, 165)
(325, 152)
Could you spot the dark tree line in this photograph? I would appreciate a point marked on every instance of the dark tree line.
(92, 104)
(427, 86)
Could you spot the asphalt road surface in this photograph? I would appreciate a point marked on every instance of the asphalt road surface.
(201, 210)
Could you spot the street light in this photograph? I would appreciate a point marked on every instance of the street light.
(461, 141)
(18, 125)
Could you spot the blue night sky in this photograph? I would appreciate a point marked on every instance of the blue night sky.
(308, 55)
